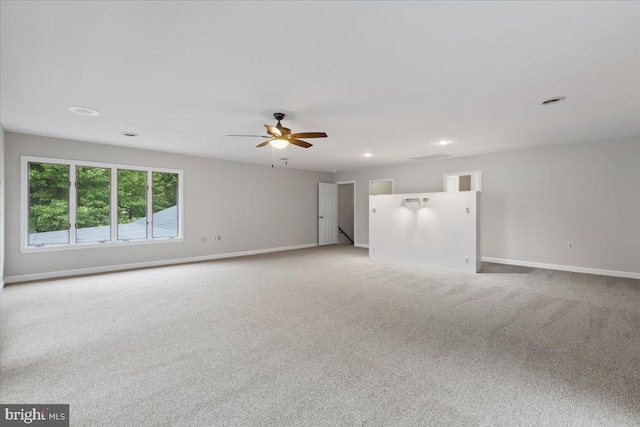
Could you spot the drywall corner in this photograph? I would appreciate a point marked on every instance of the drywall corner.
(1, 207)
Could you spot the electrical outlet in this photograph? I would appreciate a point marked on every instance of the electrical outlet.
(374, 249)
(219, 237)
(570, 245)
(373, 210)
(203, 239)
(466, 260)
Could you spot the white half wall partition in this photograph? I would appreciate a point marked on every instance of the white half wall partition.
(438, 230)
(535, 201)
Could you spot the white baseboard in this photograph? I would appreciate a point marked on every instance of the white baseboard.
(587, 270)
(120, 267)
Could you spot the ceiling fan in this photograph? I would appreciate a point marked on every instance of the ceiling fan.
(280, 136)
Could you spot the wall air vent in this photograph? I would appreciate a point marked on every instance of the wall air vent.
(431, 157)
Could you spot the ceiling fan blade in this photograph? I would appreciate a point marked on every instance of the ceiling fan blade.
(264, 143)
(299, 143)
(253, 136)
(273, 130)
(309, 135)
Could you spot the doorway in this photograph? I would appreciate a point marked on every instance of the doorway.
(346, 212)
(462, 181)
(380, 186)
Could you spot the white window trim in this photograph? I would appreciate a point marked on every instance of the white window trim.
(114, 242)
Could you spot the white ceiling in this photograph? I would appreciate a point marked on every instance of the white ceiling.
(389, 78)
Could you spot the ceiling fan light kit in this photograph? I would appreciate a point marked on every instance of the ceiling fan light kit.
(279, 143)
(281, 137)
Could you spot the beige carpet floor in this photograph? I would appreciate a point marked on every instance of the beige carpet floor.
(325, 337)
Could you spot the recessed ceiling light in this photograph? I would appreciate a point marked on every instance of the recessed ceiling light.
(83, 111)
(553, 100)
(443, 142)
(368, 155)
(131, 134)
(333, 171)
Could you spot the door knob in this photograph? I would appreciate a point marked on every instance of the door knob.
(321, 217)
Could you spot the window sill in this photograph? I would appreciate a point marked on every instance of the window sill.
(93, 245)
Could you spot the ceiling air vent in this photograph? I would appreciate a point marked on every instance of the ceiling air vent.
(431, 157)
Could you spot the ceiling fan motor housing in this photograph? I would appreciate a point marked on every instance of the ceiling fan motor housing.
(285, 131)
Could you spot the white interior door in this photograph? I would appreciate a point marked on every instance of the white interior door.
(453, 183)
(327, 214)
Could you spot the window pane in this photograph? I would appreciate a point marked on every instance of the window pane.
(48, 203)
(94, 204)
(132, 204)
(165, 204)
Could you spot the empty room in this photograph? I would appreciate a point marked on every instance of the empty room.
(311, 213)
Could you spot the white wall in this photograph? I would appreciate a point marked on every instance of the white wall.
(536, 200)
(262, 207)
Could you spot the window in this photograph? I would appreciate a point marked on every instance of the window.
(71, 204)
(132, 204)
(165, 204)
(93, 212)
(48, 204)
